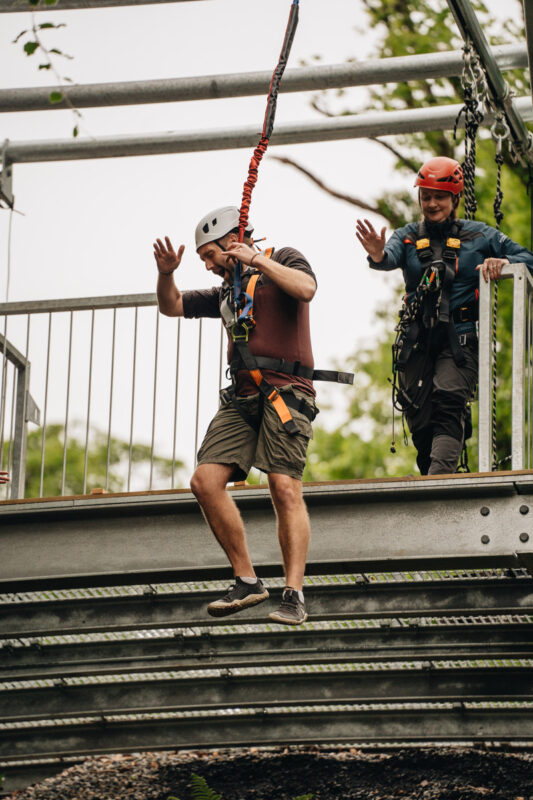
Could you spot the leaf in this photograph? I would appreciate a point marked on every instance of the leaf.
(18, 37)
(55, 97)
(200, 790)
(30, 48)
(75, 131)
(45, 25)
(45, 66)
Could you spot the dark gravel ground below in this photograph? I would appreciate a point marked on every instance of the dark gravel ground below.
(283, 774)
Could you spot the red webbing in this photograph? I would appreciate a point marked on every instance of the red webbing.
(268, 123)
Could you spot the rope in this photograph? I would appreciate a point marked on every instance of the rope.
(268, 123)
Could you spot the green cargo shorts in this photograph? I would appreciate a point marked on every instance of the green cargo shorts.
(230, 440)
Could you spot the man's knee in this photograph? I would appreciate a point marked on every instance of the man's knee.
(208, 478)
(286, 491)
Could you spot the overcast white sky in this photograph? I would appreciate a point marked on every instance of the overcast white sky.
(88, 226)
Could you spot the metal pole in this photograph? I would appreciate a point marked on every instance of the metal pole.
(518, 408)
(528, 18)
(485, 376)
(356, 126)
(499, 89)
(211, 87)
(7, 6)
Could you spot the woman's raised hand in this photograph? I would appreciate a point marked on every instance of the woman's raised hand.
(372, 241)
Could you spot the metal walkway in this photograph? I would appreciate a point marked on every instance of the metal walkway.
(421, 623)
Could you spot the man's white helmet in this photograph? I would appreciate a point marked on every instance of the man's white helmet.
(217, 224)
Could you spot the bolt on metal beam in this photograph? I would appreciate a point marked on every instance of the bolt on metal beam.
(376, 123)
(499, 89)
(209, 87)
(9, 6)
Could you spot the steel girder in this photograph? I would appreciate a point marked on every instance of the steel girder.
(329, 602)
(475, 520)
(289, 726)
(232, 650)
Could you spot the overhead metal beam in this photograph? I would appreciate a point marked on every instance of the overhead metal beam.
(470, 28)
(291, 726)
(258, 647)
(337, 601)
(357, 126)
(381, 525)
(210, 87)
(11, 6)
(528, 17)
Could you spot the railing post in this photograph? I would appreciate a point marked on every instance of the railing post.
(485, 376)
(18, 473)
(518, 406)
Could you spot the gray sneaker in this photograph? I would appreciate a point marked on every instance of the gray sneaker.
(240, 595)
(291, 611)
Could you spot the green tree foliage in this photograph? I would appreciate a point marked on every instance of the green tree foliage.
(96, 462)
(360, 446)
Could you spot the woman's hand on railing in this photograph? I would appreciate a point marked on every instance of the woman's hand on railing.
(491, 269)
(167, 259)
(4, 477)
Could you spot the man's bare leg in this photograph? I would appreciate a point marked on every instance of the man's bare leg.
(293, 526)
(208, 484)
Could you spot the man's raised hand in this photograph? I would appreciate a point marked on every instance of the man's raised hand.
(167, 259)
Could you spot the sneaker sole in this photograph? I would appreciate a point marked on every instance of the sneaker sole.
(276, 618)
(238, 605)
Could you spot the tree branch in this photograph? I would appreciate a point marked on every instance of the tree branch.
(407, 162)
(348, 198)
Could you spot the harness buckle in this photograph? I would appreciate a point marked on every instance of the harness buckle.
(462, 339)
(274, 394)
(240, 331)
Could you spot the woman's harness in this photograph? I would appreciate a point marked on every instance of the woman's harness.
(429, 307)
(236, 310)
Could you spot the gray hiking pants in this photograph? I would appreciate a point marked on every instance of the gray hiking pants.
(441, 390)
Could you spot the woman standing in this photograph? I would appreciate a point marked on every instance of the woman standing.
(436, 355)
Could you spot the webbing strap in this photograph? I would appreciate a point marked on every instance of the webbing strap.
(299, 370)
(270, 392)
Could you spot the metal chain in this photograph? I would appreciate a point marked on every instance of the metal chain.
(500, 131)
(475, 93)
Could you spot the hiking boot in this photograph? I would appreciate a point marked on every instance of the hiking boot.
(240, 595)
(291, 611)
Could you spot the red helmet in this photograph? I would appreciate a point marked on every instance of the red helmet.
(441, 173)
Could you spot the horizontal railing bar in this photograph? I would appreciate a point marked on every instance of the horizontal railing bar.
(78, 304)
(356, 601)
(374, 123)
(10, 6)
(420, 683)
(206, 87)
(12, 354)
(261, 729)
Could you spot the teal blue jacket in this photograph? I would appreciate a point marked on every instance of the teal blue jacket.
(478, 242)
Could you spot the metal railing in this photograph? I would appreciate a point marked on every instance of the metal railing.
(118, 383)
(522, 371)
(14, 391)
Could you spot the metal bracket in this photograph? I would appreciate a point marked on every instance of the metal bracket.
(33, 412)
(7, 199)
